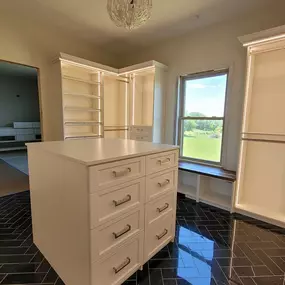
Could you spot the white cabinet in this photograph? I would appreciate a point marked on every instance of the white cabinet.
(98, 214)
(261, 183)
(99, 101)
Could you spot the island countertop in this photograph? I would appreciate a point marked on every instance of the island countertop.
(96, 151)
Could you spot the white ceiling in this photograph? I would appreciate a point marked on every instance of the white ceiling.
(13, 69)
(89, 19)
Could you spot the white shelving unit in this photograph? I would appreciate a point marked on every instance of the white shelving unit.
(261, 186)
(147, 100)
(101, 101)
(210, 190)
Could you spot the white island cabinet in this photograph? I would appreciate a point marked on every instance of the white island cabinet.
(102, 208)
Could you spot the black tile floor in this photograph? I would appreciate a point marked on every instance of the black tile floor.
(211, 247)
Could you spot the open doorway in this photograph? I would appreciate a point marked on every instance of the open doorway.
(20, 123)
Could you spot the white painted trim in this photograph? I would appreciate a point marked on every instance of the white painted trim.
(141, 66)
(87, 63)
(263, 36)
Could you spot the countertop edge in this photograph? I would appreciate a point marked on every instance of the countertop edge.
(108, 160)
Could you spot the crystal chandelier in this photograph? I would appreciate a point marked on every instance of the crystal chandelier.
(129, 14)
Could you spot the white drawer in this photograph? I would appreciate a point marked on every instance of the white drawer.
(158, 234)
(161, 161)
(157, 208)
(114, 173)
(141, 129)
(141, 137)
(108, 204)
(120, 266)
(161, 183)
(105, 239)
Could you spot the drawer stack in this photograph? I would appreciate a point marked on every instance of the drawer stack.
(102, 208)
(132, 213)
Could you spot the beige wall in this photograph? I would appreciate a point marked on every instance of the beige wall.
(205, 49)
(30, 43)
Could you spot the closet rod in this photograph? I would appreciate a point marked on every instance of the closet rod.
(110, 130)
(121, 80)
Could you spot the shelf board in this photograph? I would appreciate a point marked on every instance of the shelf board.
(82, 135)
(82, 109)
(189, 190)
(216, 199)
(259, 212)
(82, 123)
(81, 80)
(84, 95)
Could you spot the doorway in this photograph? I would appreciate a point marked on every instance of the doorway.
(20, 123)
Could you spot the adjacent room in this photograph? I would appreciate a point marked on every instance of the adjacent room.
(142, 142)
(19, 123)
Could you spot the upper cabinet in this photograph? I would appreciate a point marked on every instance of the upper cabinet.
(265, 91)
(101, 101)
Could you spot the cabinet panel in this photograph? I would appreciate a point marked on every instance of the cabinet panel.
(107, 239)
(158, 234)
(267, 98)
(115, 173)
(262, 183)
(110, 203)
(116, 269)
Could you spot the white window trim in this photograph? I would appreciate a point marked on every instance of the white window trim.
(180, 117)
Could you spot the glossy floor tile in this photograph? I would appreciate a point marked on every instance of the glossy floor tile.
(211, 247)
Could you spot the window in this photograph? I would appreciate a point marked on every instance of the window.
(201, 118)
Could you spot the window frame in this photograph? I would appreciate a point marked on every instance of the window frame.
(181, 117)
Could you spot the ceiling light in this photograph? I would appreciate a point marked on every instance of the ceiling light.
(129, 14)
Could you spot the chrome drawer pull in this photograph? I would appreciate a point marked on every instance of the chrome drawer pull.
(164, 161)
(122, 173)
(122, 266)
(164, 183)
(122, 232)
(165, 232)
(163, 208)
(123, 201)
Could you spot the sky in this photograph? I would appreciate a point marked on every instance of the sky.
(206, 95)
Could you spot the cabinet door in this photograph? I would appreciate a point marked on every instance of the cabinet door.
(266, 99)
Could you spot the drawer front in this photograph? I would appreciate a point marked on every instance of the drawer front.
(158, 234)
(161, 183)
(147, 130)
(108, 204)
(159, 208)
(141, 137)
(161, 161)
(114, 173)
(105, 239)
(120, 266)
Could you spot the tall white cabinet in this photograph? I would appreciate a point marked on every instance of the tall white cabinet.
(101, 101)
(261, 179)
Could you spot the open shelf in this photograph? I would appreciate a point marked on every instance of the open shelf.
(80, 80)
(82, 123)
(84, 95)
(188, 190)
(216, 192)
(82, 109)
(216, 199)
(262, 213)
